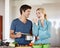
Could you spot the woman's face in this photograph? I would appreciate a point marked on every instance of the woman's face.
(39, 14)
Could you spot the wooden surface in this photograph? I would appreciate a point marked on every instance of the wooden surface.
(20, 47)
(24, 47)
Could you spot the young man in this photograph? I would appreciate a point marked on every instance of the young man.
(21, 25)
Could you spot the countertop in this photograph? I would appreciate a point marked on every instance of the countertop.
(21, 47)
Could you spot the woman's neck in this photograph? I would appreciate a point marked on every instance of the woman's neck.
(42, 22)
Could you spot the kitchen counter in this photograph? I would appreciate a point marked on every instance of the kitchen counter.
(21, 47)
(15, 47)
(24, 47)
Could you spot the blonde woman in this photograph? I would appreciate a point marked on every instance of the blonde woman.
(41, 27)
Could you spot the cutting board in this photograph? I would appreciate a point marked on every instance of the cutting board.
(24, 47)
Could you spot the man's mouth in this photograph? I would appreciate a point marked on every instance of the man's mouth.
(39, 17)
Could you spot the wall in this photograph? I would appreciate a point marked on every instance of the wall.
(2, 12)
(2, 7)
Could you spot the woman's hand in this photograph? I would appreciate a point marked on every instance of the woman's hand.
(38, 38)
(35, 21)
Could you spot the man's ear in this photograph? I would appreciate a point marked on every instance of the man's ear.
(22, 11)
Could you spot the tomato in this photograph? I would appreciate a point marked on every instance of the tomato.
(31, 44)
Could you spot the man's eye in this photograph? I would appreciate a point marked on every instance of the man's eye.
(38, 13)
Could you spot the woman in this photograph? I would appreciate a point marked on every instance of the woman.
(41, 27)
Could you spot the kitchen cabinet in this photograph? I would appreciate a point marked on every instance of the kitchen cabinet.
(1, 25)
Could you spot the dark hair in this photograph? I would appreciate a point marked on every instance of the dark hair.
(24, 7)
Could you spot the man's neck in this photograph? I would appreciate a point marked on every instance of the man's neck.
(23, 19)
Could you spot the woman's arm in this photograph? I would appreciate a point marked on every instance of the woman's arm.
(35, 29)
(34, 32)
(46, 33)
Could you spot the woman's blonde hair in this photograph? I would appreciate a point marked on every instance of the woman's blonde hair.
(43, 11)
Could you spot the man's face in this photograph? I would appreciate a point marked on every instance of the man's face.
(27, 13)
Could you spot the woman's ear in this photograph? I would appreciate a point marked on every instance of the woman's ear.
(45, 16)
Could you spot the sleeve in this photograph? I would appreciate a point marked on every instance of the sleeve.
(35, 29)
(46, 33)
(31, 29)
(12, 26)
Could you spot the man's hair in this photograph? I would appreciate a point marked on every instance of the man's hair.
(24, 8)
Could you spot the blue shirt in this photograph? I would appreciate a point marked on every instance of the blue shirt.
(19, 26)
(42, 32)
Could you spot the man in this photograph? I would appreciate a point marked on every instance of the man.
(21, 25)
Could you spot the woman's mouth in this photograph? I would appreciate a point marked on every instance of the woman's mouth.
(38, 16)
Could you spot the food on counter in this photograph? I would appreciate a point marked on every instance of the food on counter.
(2, 43)
(31, 44)
(12, 45)
(37, 46)
(7, 43)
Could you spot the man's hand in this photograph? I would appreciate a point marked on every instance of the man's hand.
(18, 35)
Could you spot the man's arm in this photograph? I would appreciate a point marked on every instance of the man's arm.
(13, 36)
